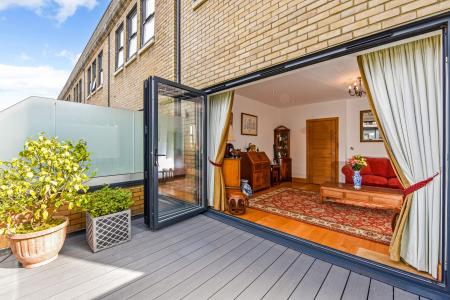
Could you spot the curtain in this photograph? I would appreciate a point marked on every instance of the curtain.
(404, 85)
(166, 141)
(220, 107)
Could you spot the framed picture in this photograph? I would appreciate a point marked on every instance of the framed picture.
(249, 124)
(368, 128)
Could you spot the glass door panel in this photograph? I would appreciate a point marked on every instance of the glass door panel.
(177, 153)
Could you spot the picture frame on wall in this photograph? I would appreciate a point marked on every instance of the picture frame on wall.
(369, 131)
(249, 124)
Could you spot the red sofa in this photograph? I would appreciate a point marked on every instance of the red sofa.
(378, 172)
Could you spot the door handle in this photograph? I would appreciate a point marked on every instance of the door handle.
(156, 157)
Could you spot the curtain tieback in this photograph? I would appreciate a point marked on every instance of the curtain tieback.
(418, 185)
(215, 164)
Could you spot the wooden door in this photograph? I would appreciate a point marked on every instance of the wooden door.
(322, 138)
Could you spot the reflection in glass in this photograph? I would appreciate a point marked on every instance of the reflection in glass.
(178, 155)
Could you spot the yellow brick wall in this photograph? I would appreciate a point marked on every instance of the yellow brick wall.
(157, 58)
(100, 95)
(222, 40)
(77, 220)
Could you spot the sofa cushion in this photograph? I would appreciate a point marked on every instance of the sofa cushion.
(374, 180)
(366, 170)
(391, 172)
(394, 183)
(379, 166)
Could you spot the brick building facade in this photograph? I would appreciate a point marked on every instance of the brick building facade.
(221, 40)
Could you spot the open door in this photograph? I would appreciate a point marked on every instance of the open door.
(175, 152)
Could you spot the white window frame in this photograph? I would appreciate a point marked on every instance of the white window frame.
(100, 68)
(89, 70)
(146, 20)
(119, 46)
(132, 36)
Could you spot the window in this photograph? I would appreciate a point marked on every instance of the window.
(119, 47)
(75, 93)
(89, 81)
(94, 76)
(148, 21)
(100, 68)
(132, 33)
(80, 85)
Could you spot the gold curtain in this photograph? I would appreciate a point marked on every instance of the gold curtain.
(394, 247)
(219, 184)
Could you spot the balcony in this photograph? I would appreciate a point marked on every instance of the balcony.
(200, 258)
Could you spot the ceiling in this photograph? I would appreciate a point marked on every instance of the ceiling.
(321, 82)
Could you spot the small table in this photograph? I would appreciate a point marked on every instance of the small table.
(367, 196)
(236, 202)
(274, 175)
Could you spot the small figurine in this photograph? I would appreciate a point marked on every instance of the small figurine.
(251, 147)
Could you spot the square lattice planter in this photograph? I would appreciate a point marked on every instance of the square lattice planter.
(108, 231)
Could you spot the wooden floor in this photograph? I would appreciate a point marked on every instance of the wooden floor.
(199, 258)
(344, 242)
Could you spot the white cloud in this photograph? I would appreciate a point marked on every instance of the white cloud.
(72, 57)
(60, 10)
(67, 8)
(24, 57)
(31, 4)
(18, 83)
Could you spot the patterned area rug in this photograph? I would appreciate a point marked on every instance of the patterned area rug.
(367, 223)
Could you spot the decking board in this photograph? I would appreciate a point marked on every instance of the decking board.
(334, 284)
(199, 258)
(357, 287)
(215, 283)
(266, 280)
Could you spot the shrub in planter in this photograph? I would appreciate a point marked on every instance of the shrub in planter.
(108, 218)
(47, 175)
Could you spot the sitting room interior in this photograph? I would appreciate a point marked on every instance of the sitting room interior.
(279, 151)
(290, 139)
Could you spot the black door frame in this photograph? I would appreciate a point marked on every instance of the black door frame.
(412, 282)
(151, 191)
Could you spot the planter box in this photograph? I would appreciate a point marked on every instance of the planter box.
(108, 231)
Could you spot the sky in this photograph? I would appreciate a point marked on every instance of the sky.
(40, 42)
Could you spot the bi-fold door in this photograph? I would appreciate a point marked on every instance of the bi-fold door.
(175, 152)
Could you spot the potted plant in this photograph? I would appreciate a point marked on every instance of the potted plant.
(46, 176)
(357, 162)
(108, 218)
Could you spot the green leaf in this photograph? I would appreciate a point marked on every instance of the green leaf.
(41, 180)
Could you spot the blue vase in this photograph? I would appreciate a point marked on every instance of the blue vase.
(357, 179)
(246, 188)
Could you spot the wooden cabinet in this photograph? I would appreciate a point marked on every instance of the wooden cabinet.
(256, 169)
(282, 152)
(232, 172)
(285, 169)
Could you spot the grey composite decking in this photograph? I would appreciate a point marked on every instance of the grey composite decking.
(200, 258)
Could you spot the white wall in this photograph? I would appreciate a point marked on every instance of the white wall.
(268, 120)
(354, 106)
(348, 111)
(269, 117)
(295, 119)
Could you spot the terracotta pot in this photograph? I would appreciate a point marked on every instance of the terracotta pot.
(39, 248)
